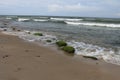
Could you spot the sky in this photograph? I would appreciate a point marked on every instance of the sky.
(82, 8)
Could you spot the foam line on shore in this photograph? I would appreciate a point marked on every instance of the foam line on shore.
(81, 48)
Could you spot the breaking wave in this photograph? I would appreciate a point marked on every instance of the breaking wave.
(8, 18)
(71, 21)
(40, 20)
(107, 54)
(23, 19)
(93, 24)
(65, 19)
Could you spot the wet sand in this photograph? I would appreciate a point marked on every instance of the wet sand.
(21, 60)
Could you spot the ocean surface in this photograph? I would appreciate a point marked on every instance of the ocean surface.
(99, 37)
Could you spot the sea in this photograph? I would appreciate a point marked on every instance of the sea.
(90, 36)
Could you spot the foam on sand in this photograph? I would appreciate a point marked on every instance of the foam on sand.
(31, 37)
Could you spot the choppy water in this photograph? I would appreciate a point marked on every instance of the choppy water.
(99, 37)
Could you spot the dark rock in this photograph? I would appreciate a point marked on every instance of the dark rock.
(91, 57)
(5, 56)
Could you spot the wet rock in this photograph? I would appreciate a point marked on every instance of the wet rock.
(91, 57)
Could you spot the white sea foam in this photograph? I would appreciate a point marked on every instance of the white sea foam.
(31, 37)
(65, 19)
(108, 55)
(40, 20)
(8, 18)
(93, 24)
(23, 19)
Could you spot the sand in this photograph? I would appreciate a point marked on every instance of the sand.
(21, 60)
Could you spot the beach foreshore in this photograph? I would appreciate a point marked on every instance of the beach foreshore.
(21, 60)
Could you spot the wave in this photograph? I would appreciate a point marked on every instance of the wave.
(32, 38)
(39, 20)
(65, 19)
(8, 18)
(62, 22)
(93, 24)
(107, 54)
(102, 20)
(23, 19)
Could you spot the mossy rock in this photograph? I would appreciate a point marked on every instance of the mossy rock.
(69, 49)
(61, 43)
(48, 41)
(38, 34)
(91, 57)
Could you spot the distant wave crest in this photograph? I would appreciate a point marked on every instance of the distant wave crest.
(40, 20)
(23, 19)
(65, 19)
(93, 24)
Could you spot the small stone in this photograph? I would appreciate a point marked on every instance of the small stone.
(26, 50)
(5, 56)
(37, 56)
(5, 30)
(19, 69)
(97, 63)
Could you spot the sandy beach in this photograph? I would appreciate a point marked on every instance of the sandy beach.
(21, 60)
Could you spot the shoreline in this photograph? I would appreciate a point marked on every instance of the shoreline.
(21, 60)
(46, 36)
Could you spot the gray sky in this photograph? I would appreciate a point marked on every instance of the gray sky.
(88, 8)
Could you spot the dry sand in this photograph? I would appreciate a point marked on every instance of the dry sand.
(20, 60)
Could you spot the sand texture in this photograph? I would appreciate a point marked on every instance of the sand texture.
(20, 60)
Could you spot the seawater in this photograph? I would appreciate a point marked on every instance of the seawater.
(99, 37)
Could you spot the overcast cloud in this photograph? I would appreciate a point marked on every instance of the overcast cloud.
(89, 8)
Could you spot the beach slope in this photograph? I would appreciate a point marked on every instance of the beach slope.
(20, 60)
